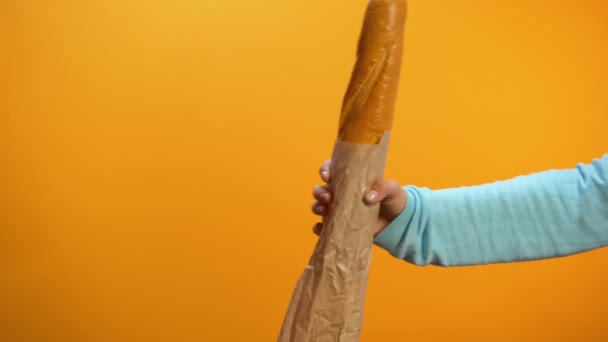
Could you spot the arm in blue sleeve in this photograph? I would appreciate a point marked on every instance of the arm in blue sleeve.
(541, 215)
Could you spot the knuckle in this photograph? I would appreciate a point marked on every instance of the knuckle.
(393, 184)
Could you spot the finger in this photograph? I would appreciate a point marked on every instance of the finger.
(322, 194)
(324, 170)
(317, 228)
(383, 190)
(319, 209)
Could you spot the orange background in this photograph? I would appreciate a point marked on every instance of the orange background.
(157, 160)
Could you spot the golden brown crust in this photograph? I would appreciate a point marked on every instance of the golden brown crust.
(367, 110)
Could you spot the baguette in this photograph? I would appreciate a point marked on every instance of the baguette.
(367, 109)
(327, 302)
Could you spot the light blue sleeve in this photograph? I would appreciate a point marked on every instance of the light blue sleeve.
(541, 215)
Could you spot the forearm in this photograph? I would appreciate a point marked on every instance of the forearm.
(542, 215)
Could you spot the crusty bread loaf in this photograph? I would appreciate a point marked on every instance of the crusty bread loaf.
(367, 110)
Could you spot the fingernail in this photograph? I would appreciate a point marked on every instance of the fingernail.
(324, 174)
(372, 195)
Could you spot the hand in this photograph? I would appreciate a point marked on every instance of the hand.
(388, 193)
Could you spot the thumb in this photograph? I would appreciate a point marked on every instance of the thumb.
(384, 190)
